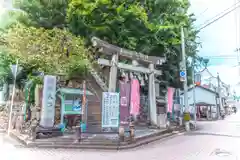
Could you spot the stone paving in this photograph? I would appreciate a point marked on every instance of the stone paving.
(216, 140)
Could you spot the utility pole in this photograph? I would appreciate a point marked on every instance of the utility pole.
(14, 70)
(194, 93)
(219, 95)
(186, 109)
(237, 16)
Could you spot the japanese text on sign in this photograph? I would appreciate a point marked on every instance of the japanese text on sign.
(110, 110)
(48, 101)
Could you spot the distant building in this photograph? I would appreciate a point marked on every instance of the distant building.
(205, 102)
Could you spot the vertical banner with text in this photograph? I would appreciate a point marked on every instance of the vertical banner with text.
(124, 103)
(135, 97)
(170, 99)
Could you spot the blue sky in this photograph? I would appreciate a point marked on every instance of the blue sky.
(217, 33)
(219, 38)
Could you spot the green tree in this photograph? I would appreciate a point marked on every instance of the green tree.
(5, 71)
(148, 26)
(53, 51)
(5, 20)
(6, 59)
(42, 13)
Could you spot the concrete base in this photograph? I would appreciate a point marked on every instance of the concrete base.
(187, 126)
(162, 120)
(180, 121)
(193, 125)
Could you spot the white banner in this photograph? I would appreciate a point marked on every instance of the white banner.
(48, 101)
(110, 110)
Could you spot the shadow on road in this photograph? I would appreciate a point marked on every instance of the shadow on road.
(211, 134)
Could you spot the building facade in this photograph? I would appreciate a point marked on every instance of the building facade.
(205, 102)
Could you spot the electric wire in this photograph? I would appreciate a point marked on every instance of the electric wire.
(237, 31)
(219, 16)
(199, 15)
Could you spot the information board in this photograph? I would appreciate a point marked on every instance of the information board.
(110, 110)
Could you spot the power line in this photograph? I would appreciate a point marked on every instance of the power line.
(237, 33)
(219, 14)
(204, 11)
(220, 56)
(220, 17)
(228, 55)
(211, 58)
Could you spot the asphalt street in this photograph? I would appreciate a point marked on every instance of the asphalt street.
(217, 140)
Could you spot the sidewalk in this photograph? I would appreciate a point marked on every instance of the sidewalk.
(205, 143)
(7, 142)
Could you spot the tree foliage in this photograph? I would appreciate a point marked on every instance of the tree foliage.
(5, 71)
(6, 60)
(148, 26)
(43, 13)
(51, 51)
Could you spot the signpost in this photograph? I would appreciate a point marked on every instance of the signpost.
(14, 71)
(197, 79)
(110, 110)
(182, 76)
(84, 110)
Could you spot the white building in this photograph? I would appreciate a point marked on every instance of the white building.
(204, 97)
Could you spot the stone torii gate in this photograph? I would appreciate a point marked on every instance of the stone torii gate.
(114, 64)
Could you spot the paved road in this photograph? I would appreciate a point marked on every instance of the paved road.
(218, 140)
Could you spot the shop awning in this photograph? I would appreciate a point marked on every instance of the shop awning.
(74, 91)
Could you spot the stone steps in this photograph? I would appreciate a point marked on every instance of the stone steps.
(109, 144)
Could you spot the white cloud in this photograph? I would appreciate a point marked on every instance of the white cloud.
(227, 74)
(1, 7)
(218, 38)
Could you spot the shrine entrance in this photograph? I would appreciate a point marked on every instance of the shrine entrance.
(141, 70)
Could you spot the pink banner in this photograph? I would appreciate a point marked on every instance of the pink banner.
(170, 98)
(124, 103)
(135, 97)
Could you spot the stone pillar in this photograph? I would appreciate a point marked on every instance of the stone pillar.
(113, 74)
(162, 118)
(152, 96)
(166, 121)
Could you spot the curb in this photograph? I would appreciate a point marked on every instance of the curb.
(122, 146)
(149, 141)
(3, 130)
